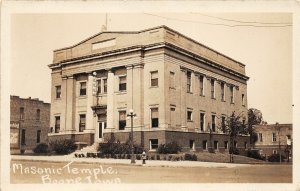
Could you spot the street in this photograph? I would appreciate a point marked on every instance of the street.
(74, 172)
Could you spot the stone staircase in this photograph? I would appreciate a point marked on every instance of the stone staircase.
(85, 151)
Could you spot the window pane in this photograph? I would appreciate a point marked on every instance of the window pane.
(58, 91)
(104, 85)
(23, 136)
(154, 78)
(212, 87)
(154, 82)
(201, 86)
(153, 143)
(82, 88)
(154, 113)
(98, 86)
(122, 83)
(122, 115)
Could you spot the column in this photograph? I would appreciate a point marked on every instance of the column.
(110, 100)
(183, 91)
(70, 99)
(89, 103)
(135, 101)
(64, 101)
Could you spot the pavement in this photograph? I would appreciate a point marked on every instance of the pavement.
(149, 163)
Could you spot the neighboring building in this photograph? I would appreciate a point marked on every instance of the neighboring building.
(29, 123)
(274, 139)
(178, 88)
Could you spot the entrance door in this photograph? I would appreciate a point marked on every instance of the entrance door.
(101, 127)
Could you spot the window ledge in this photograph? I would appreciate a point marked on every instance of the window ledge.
(189, 92)
(213, 98)
(202, 95)
(101, 95)
(121, 92)
(56, 99)
(190, 121)
(172, 88)
(153, 87)
(82, 97)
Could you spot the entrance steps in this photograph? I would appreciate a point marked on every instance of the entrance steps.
(88, 150)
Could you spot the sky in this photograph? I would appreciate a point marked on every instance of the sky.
(266, 51)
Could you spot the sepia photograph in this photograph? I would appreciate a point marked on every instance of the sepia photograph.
(130, 95)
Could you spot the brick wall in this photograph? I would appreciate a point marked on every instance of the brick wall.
(30, 123)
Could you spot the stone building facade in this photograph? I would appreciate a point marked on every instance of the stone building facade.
(274, 139)
(178, 88)
(29, 123)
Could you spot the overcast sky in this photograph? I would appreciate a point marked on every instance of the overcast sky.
(266, 51)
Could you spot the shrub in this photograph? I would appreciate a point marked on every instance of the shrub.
(276, 158)
(190, 157)
(194, 157)
(41, 148)
(65, 146)
(254, 154)
(169, 148)
(138, 157)
(111, 147)
(187, 156)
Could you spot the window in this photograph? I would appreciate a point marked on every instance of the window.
(38, 114)
(201, 78)
(216, 145)
(104, 85)
(82, 90)
(204, 145)
(172, 117)
(260, 137)
(202, 121)
(57, 124)
(223, 124)
(21, 113)
(189, 81)
(101, 86)
(226, 144)
(288, 140)
(172, 80)
(192, 145)
(122, 120)
(122, 83)
(212, 88)
(245, 145)
(213, 123)
(189, 116)
(154, 79)
(231, 94)
(243, 99)
(274, 137)
(82, 122)
(274, 152)
(222, 91)
(154, 117)
(38, 136)
(58, 91)
(23, 136)
(153, 144)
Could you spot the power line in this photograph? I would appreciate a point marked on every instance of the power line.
(239, 21)
(219, 24)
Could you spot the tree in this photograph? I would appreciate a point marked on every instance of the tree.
(254, 118)
(234, 126)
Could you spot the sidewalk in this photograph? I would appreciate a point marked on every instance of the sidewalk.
(149, 163)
